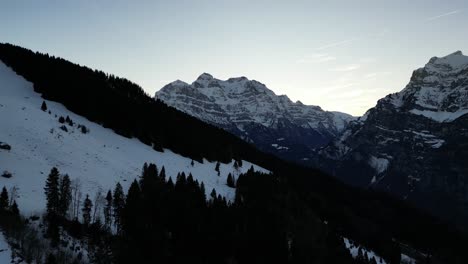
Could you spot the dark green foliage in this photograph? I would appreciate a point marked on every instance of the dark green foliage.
(61, 120)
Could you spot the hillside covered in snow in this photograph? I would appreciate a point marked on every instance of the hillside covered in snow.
(98, 159)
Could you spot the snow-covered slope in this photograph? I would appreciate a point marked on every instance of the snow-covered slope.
(99, 159)
(247, 108)
(413, 143)
(5, 251)
(438, 91)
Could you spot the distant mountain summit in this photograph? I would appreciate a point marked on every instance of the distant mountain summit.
(413, 143)
(248, 109)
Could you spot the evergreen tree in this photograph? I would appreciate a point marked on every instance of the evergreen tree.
(217, 168)
(170, 183)
(108, 210)
(132, 208)
(14, 209)
(61, 119)
(213, 194)
(69, 121)
(52, 192)
(192, 163)
(118, 204)
(86, 210)
(202, 190)
(230, 181)
(162, 174)
(4, 199)
(44, 106)
(65, 195)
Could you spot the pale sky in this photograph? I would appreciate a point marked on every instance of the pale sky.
(340, 55)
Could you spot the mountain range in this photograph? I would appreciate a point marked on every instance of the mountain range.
(412, 144)
(100, 129)
(248, 109)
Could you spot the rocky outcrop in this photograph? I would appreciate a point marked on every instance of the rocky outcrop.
(413, 144)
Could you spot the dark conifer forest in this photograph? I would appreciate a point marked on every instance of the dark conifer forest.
(294, 215)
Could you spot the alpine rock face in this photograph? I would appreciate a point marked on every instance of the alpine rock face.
(413, 143)
(250, 110)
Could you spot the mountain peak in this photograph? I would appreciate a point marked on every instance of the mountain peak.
(237, 79)
(205, 77)
(456, 53)
(454, 60)
(178, 83)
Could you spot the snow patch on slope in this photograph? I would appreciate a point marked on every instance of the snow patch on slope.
(379, 164)
(440, 116)
(5, 251)
(354, 251)
(454, 60)
(99, 159)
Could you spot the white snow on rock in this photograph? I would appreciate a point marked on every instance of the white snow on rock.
(240, 101)
(454, 60)
(379, 164)
(407, 260)
(99, 159)
(5, 251)
(440, 116)
(354, 251)
(438, 91)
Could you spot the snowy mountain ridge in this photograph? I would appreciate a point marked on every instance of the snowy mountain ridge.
(438, 91)
(39, 142)
(413, 143)
(246, 107)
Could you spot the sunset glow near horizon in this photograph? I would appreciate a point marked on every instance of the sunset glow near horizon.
(340, 55)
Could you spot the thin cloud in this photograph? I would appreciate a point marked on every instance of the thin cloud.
(373, 75)
(335, 44)
(346, 68)
(442, 15)
(316, 58)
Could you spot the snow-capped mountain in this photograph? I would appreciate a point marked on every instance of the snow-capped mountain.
(98, 159)
(413, 143)
(248, 109)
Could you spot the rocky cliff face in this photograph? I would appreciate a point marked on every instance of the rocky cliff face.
(247, 108)
(414, 143)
